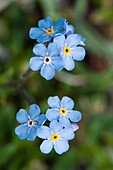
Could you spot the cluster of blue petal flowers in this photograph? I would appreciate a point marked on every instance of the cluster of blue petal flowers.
(56, 126)
(57, 47)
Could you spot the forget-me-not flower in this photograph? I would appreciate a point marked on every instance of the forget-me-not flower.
(70, 49)
(55, 137)
(30, 122)
(62, 110)
(46, 60)
(47, 29)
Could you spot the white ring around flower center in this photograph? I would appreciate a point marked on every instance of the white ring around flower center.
(47, 59)
(30, 123)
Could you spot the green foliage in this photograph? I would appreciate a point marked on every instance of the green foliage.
(89, 84)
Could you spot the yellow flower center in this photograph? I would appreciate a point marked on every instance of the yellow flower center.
(63, 111)
(66, 50)
(54, 137)
(49, 31)
(30, 123)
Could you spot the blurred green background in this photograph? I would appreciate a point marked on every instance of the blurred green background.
(90, 84)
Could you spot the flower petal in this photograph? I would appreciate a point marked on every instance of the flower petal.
(78, 53)
(45, 23)
(54, 102)
(64, 122)
(60, 40)
(69, 29)
(61, 146)
(58, 63)
(74, 126)
(72, 40)
(52, 49)
(22, 131)
(52, 114)
(55, 126)
(35, 33)
(59, 24)
(74, 116)
(67, 103)
(36, 63)
(32, 133)
(41, 119)
(67, 134)
(47, 71)
(46, 146)
(80, 39)
(34, 111)
(22, 116)
(40, 50)
(44, 38)
(43, 132)
(68, 63)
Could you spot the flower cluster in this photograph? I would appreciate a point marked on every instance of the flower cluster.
(62, 124)
(57, 47)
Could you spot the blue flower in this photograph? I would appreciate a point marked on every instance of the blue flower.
(47, 30)
(69, 49)
(62, 111)
(30, 122)
(46, 60)
(55, 137)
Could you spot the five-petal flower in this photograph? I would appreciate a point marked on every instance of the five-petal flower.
(70, 49)
(47, 29)
(62, 110)
(30, 122)
(55, 137)
(46, 60)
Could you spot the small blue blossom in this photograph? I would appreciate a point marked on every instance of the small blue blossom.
(55, 137)
(70, 49)
(46, 60)
(47, 29)
(30, 122)
(62, 111)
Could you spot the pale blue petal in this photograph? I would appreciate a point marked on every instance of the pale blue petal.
(52, 114)
(61, 146)
(69, 29)
(34, 111)
(74, 126)
(35, 33)
(22, 131)
(45, 23)
(52, 49)
(68, 63)
(22, 116)
(58, 63)
(55, 126)
(44, 38)
(64, 122)
(54, 102)
(44, 132)
(59, 24)
(67, 134)
(74, 116)
(47, 71)
(60, 40)
(78, 53)
(36, 63)
(40, 50)
(80, 39)
(46, 146)
(67, 103)
(32, 133)
(41, 119)
(72, 40)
